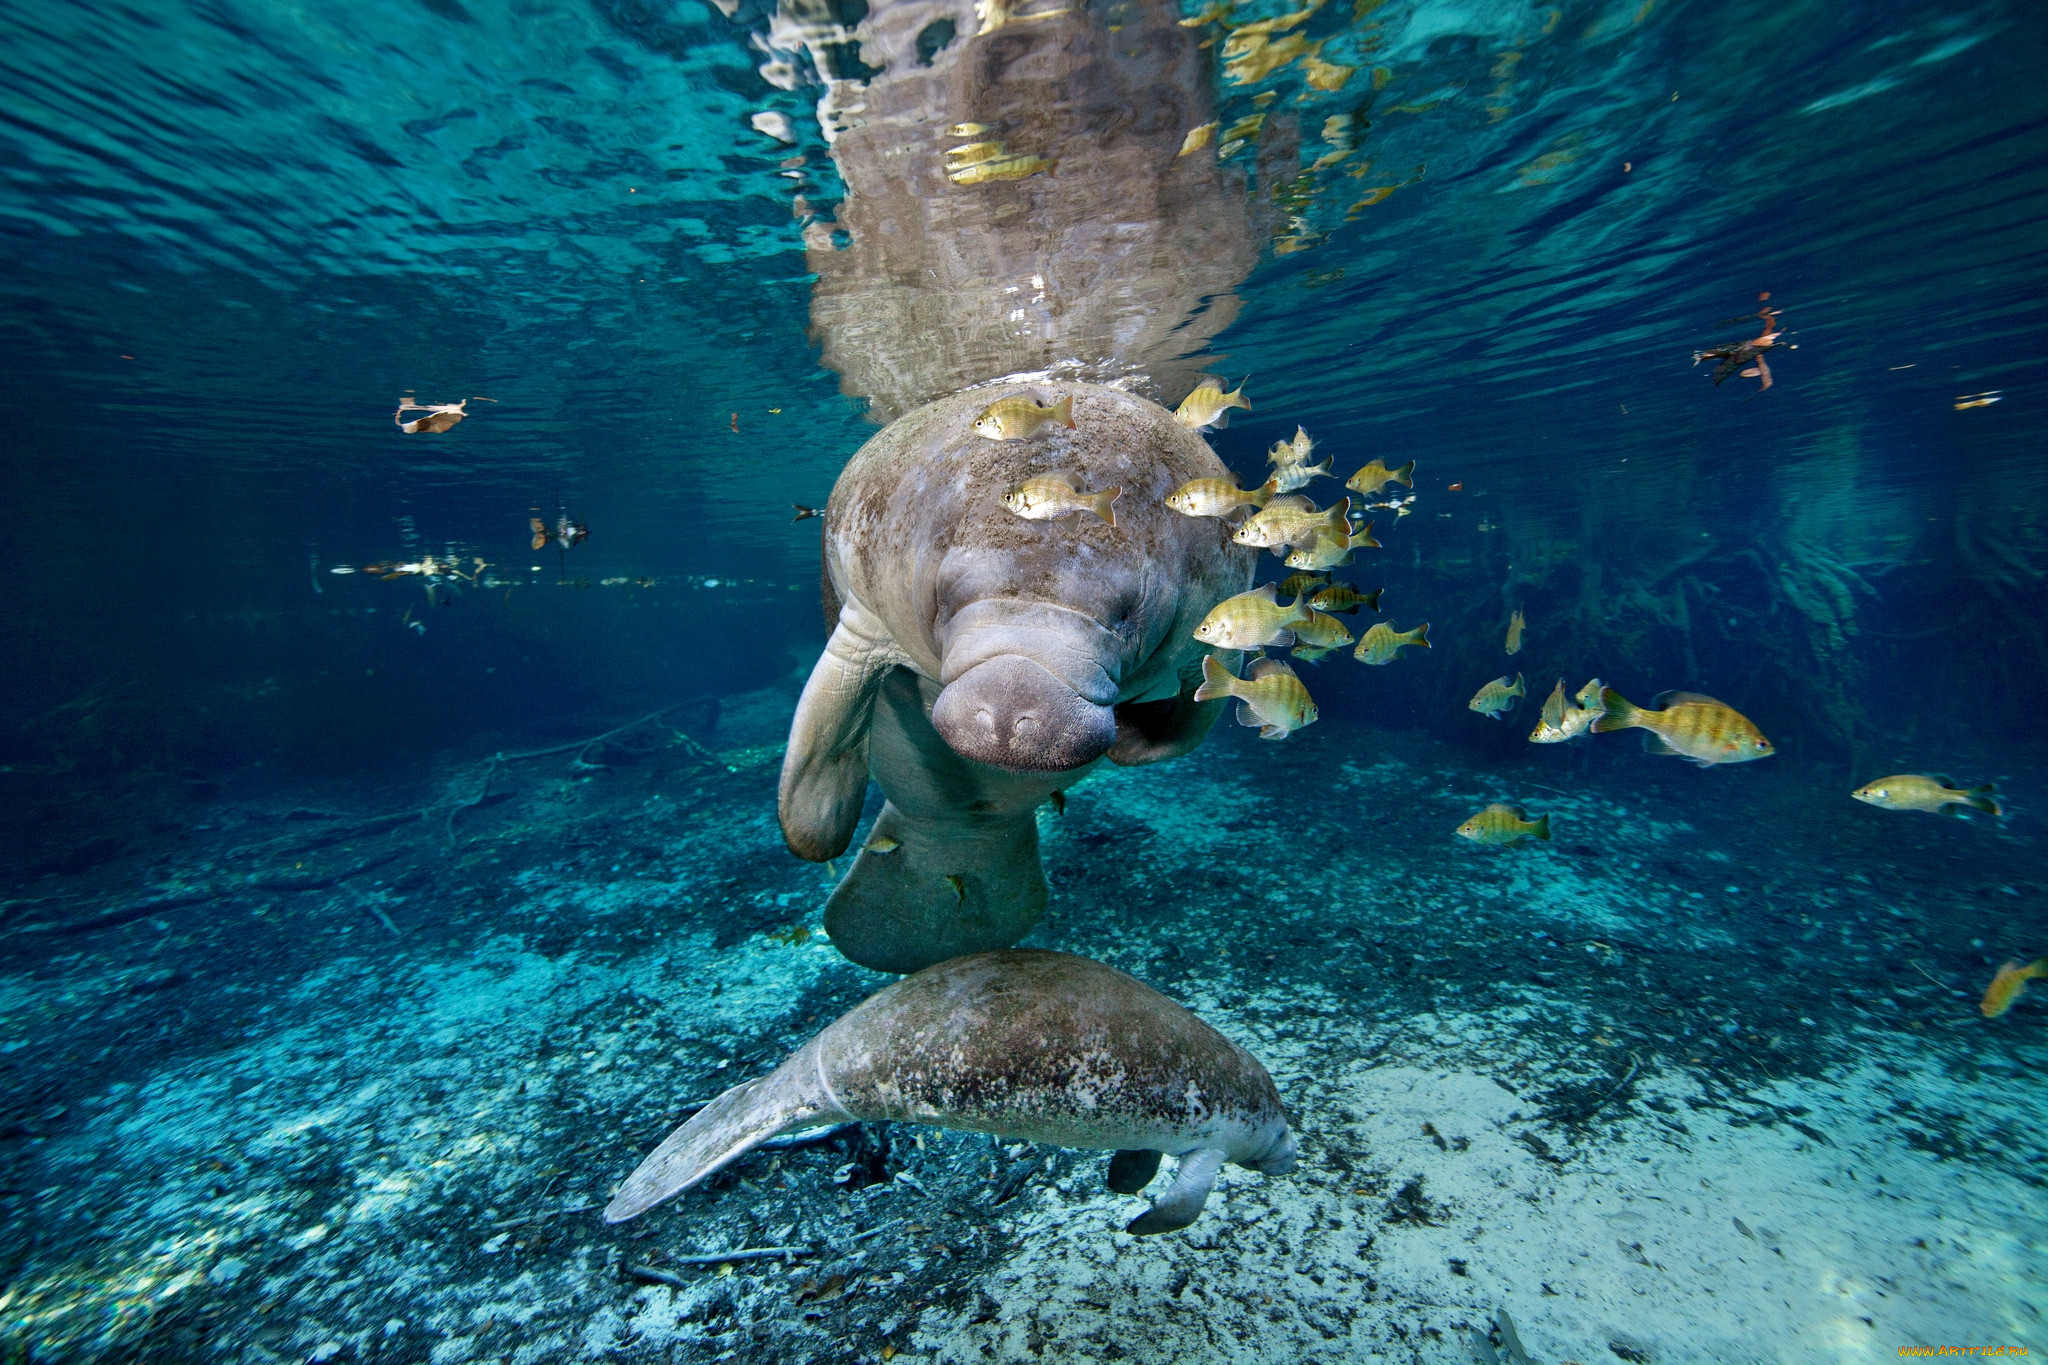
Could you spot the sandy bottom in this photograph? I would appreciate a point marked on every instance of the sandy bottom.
(1692, 1083)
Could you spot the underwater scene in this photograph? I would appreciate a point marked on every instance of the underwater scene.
(811, 681)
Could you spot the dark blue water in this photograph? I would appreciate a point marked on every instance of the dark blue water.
(235, 234)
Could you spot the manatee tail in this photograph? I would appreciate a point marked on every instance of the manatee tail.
(1217, 681)
(1183, 1203)
(720, 1133)
(1104, 502)
(1064, 411)
(1619, 713)
(1405, 475)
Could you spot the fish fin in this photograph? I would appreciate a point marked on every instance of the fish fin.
(1363, 536)
(1272, 732)
(719, 1134)
(1372, 599)
(1421, 635)
(1217, 681)
(1182, 1204)
(1653, 743)
(1131, 1171)
(1266, 666)
(1518, 689)
(1064, 411)
(2036, 969)
(1665, 699)
(1618, 712)
(1104, 503)
(1248, 717)
(1981, 798)
(1405, 475)
(1220, 420)
(1269, 591)
(1543, 828)
(1265, 493)
(1948, 782)
(1282, 640)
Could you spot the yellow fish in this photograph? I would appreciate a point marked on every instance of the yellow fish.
(1269, 695)
(1296, 584)
(1383, 643)
(1499, 824)
(967, 130)
(1560, 722)
(2005, 987)
(1328, 549)
(1292, 520)
(1049, 499)
(882, 843)
(1313, 654)
(1935, 795)
(1215, 497)
(1321, 631)
(1296, 451)
(1017, 418)
(1376, 476)
(1690, 725)
(1497, 698)
(1209, 405)
(1297, 474)
(1344, 599)
(1000, 168)
(1198, 137)
(1516, 625)
(1252, 620)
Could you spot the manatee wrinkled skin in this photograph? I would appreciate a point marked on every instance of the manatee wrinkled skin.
(980, 661)
(1042, 1046)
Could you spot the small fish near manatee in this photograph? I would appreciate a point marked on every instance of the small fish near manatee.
(1270, 696)
(1502, 824)
(1344, 600)
(1383, 644)
(1690, 726)
(1049, 499)
(1321, 631)
(1376, 476)
(1294, 585)
(440, 416)
(803, 512)
(1252, 620)
(1216, 497)
(1516, 625)
(2006, 986)
(1935, 795)
(1209, 405)
(1295, 520)
(1042, 1046)
(567, 533)
(1498, 697)
(1561, 721)
(1330, 549)
(1018, 418)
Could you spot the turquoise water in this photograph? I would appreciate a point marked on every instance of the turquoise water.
(364, 930)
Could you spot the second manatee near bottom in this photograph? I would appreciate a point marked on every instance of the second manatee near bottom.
(1021, 1044)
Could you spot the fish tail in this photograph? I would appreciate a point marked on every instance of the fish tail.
(1064, 411)
(1405, 475)
(1235, 398)
(1363, 536)
(1518, 690)
(1217, 680)
(1619, 714)
(1372, 599)
(1102, 503)
(1981, 798)
(1264, 493)
(1542, 830)
(2036, 969)
(1421, 635)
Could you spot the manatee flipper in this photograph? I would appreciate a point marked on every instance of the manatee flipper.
(825, 770)
(718, 1134)
(951, 817)
(1130, 1172)
(1182, 1204)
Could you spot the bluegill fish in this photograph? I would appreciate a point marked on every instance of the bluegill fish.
(1516, 625)
(1289, 477)
(1503, 824)
(1328, 549)
(1936, 795)
(1376, 476)
(1292, 520)
(1322, 631)
(1314, 654)
(2006, 986)
(1498, 697)
(1690, 726)
(1209, 405)
(1252, 620)
(1560, 722)
(1215, 497)
(1269, 696)
(1345, 600)
(1198, 137)
(1048, 499)
(1296, 584)
(1291, 452)
(1018, 418)
(1383, 643)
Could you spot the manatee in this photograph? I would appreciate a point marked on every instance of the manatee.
(979, 662)
(1020, 1043)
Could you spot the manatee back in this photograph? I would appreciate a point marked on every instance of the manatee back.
(916, 528)
(1049, 1046)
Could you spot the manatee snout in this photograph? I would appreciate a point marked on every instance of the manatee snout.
(1012, 712)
